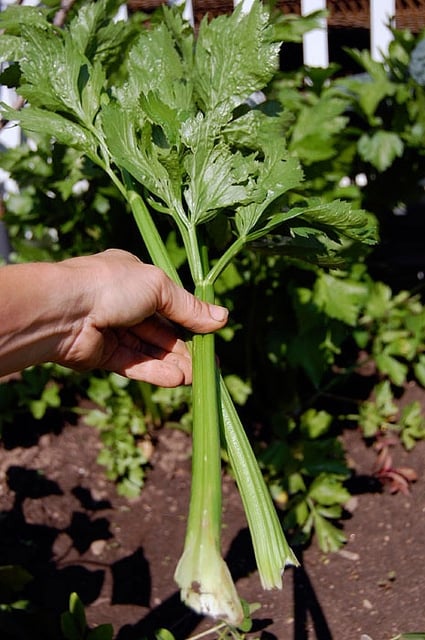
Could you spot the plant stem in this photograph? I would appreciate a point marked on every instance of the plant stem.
(203, 576)
(272, 552)
(225, 259)
(206, 458)
(148, 231)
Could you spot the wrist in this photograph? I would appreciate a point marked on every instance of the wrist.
(41, 314)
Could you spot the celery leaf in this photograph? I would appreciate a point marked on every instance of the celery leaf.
(234, 57)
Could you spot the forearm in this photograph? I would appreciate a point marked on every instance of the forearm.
(39, 313)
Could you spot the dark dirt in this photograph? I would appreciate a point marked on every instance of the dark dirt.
(62, 519)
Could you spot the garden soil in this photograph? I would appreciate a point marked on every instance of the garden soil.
(62, 520)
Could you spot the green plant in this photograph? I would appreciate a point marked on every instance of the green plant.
(221, 631)
(13, 579)
(306, 470)
(35, 392)
(74, 624)
(180, 138)
(122, 423)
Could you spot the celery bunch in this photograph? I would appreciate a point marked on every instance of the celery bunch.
(169, 117)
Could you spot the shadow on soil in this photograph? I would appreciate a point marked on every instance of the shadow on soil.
(57, 570)
(54, 576)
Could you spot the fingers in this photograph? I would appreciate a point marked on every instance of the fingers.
(160, 373)
(150, 364)
(160, 332)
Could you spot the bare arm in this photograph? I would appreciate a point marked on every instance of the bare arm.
(107, 311)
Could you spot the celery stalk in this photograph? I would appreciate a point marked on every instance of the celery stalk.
(203, 576)
(272, 552)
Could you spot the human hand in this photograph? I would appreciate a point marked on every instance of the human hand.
(108, 311)
(128, 326)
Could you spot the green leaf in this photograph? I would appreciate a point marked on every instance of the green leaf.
(384, 398)
(339, 217)
(393, 368)
(13, 578)
(328, 490)
(258, 128)
(73, 622)
(315, 423)
(94, 31)
(419, 369)
(161, 114)
(38, 408)
(378, 301)
(212, 181)
(164, 634)
(340, 298)
(52, 124)
(377, 414)
(313, 136)
(101, 632)
(76, 607)
(329, 537)
(140, 160)
(14, 17)
(238, 389)
(412, 424)
(276, 176)
(380, 148)
(234, 57)
(370, 88)
(69, 627)
(9, 47)
(291, 27)
(155, 66)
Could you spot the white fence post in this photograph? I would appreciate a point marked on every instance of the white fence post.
(246, 4)
(315, 42)
(382, 14)
(188, 13)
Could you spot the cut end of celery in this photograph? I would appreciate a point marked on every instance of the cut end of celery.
(271, 576)
(208, 588)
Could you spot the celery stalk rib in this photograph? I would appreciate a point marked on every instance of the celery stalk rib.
(271, 549)
(203, 576)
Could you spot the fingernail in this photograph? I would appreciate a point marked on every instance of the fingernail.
(218, 313)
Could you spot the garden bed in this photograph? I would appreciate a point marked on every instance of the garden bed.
(64, 522)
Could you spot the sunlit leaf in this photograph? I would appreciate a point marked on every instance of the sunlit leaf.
(381, 148)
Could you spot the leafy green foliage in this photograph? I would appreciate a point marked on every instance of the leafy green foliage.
(122, 424)
(74, 623)
(214, 175)
(306, 471)
(36, 391)
(395, 325)
(63, 207)
(13, 579)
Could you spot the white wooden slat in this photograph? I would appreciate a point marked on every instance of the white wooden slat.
(382, 13)
(246, 4)
(315, 42)
(188, 13)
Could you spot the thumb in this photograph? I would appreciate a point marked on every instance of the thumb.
(190, 312)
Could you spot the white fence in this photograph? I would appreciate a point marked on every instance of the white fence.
(382, 14)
